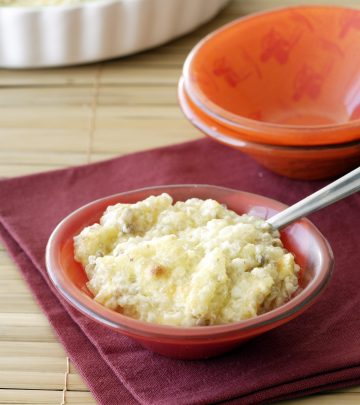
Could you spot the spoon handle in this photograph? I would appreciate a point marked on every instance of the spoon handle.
(341, 188)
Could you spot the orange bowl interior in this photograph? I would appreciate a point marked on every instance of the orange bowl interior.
(300, 162)
(296, 68)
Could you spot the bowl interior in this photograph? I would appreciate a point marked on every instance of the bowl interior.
(295, 67)
(303, 239)
(230, 137)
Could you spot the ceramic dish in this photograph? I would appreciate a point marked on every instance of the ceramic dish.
(285, 77)
(93, 31)
(298, 162)
(311, 249)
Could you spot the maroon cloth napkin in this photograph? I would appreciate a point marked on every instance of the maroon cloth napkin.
(318, 350)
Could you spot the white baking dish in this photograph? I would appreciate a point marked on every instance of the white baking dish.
(93, 31)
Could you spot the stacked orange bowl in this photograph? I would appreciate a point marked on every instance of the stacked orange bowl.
(282, 86)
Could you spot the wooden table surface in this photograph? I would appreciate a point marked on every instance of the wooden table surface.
(60, 117)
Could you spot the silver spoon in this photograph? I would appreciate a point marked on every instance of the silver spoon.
(339, 189)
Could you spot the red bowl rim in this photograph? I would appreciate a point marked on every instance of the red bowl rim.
(251, 125)
(131, 326)
(223, 134)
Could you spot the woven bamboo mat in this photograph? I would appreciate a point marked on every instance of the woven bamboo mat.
(60, 117)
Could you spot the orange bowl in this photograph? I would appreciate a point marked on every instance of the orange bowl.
(311, 249)
(298, 162)
(285, 77)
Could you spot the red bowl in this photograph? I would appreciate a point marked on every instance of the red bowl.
(298, 162)
(312, 251)
(284, 77)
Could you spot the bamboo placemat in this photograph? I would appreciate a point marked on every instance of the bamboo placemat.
(60, 117)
